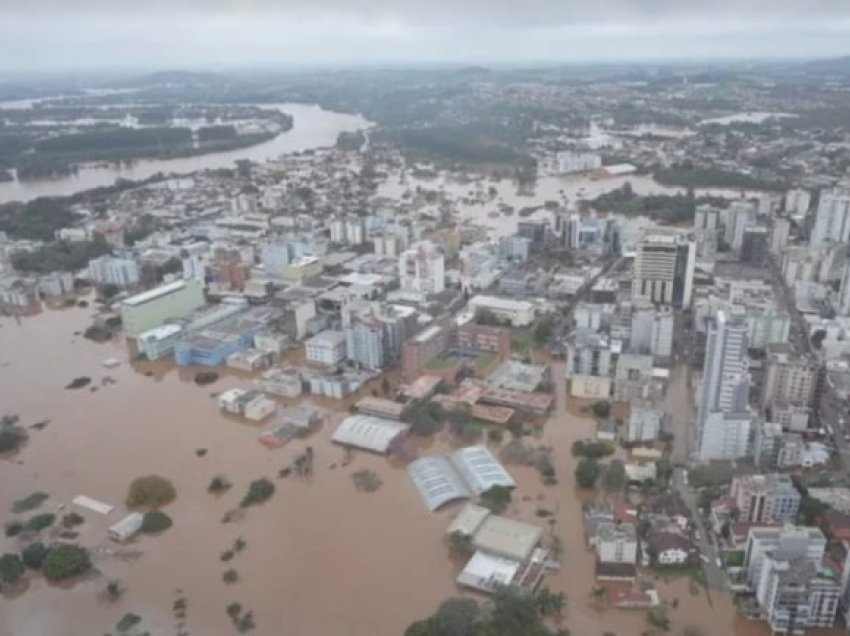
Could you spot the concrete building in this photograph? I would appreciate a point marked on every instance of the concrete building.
(797, 202)
(589, 353)
(570, 161)
(725, 435)
(755, 246)
(644, 423)
(155, 307)
(725, 380)
(790, 378)
(664, 268)
(109, 270)
(652, 332)
(770, 498)
(517, 313)
(843, 302)
(739, 216)
(785, 568)
(832, 218)
(212, 339)
(779, 235)
(773, 448)
(327, 347)
(616, 543)
(706, 226)
(159, 342)
(422, 268)
(374, 334)
(633, 378)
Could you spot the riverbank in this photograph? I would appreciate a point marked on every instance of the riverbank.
(313, 128)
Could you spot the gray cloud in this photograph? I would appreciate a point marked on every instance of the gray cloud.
(58, 34)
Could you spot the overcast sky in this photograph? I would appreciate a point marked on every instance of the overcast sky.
(69, 34)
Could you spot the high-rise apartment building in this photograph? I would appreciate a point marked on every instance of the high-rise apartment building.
(789, 378)
(832, 219)
(770, 498)
(422, 268)
(723, 419)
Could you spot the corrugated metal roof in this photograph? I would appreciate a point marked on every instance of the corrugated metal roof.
(437, 481)
(480, 469)
(370, 433)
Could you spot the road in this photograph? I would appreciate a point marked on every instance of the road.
(715, 577)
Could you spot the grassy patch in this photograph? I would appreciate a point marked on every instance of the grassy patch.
(732, 558)
(438, 363)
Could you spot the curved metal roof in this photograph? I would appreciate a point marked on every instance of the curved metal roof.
(437, 481)
(480, 469)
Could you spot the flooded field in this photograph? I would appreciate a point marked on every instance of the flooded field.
(321, 557)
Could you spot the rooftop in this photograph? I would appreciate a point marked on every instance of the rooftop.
(507, 537)
(370, 433)
(156, 292)
(507, 304)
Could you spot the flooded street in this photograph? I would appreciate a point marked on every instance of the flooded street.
(321, 557)
(479, 200)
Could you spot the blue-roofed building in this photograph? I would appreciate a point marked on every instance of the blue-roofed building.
(211, 346)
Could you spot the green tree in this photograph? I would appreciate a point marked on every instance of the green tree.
(587, 472)
(65, 561)
(259, 491)
(601, 409)
(496, 499)
(543, 329)
(614, 478)
(550, 604)
(33, 555)
(155, 521)
(151, 491)
(11, 569)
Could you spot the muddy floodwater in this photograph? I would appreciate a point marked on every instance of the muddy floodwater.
(321, 558)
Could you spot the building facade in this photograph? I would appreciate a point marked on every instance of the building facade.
(664, 268)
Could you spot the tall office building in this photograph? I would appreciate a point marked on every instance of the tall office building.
(740, 215)
(843, 307)
(779, 235)
(797, 202)
(723, 419)
(422, 268)
(664, 268)
(832, 219)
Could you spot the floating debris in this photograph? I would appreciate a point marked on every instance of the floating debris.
(78, 383)
(205, 377)
(38, 426)
(111, 363)
(366, 480)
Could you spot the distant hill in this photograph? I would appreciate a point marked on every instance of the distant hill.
(179, 77)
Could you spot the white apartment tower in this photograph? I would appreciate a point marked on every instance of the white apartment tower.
(422, 268)
(843, 307)
(832, 219)
(779, 235)
(797, 202)
(723, 421)
(664, 268)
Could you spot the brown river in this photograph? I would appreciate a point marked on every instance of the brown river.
(321, 559)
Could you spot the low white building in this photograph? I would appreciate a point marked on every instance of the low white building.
(327, 347)
(644, 424)
(519, 313)
(616, 543)
(127, 528)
